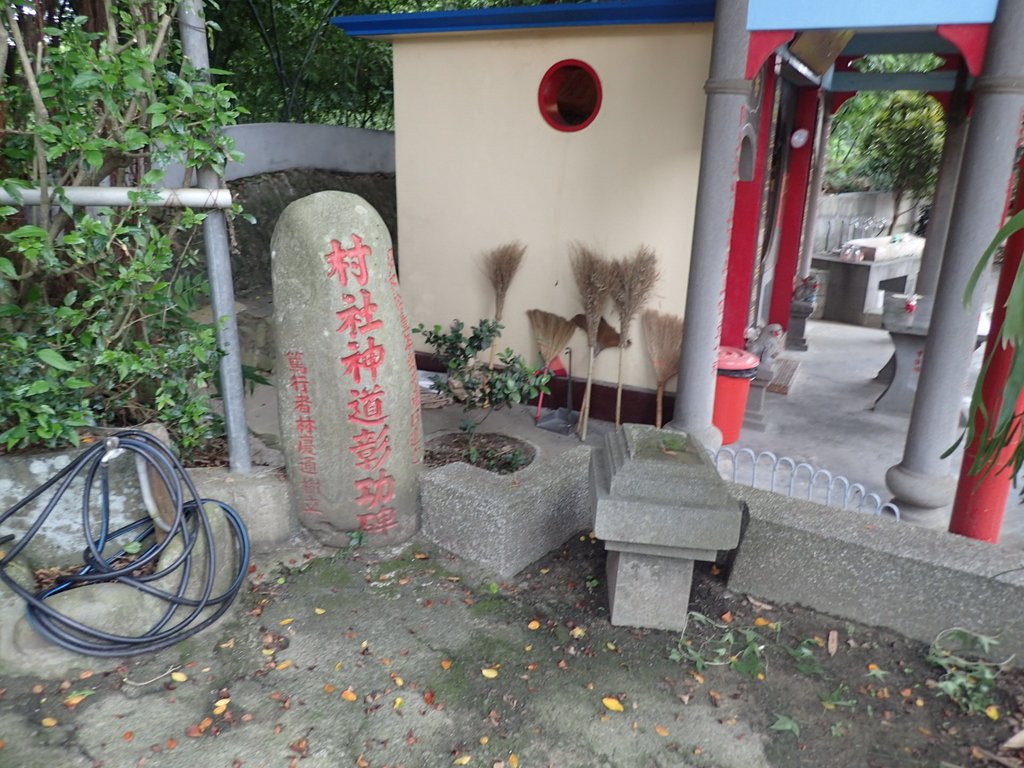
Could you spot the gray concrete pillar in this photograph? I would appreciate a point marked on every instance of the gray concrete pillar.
(945, 190)
(727, 91)
(922, 481)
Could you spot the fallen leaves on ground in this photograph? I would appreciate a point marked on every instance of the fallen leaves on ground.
(462, 760)
(179, 677)
(489, 672)
(48, 722)
(75, 698)
(349, 695)
(613, 704)
(661, 730)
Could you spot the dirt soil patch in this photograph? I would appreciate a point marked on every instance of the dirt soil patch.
(492, 451)
(413, 658)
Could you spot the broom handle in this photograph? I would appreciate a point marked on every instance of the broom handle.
(659, 398)
(586, 396)
(584, 405)
(618, 394)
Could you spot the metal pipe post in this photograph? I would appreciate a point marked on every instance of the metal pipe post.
(218, 263)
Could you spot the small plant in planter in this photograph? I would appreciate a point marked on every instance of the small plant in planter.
(481, 387)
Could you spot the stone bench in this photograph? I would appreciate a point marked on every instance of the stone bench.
(659, 505)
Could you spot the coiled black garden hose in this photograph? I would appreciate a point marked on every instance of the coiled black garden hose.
(184, 586)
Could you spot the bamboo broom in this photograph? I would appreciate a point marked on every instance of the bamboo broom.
(551, 332)
(593, 280)
(500, 265)
(633, 282)
(664, 334)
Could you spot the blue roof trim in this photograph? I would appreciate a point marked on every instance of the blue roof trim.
(864, 14)
(609, 12)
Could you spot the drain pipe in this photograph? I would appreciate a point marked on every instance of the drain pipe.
(192, 27)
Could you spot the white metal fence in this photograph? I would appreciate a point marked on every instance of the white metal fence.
(800, 480)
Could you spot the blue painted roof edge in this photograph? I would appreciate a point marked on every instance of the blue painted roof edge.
(609, 12)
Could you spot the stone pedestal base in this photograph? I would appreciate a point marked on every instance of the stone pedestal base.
(659, 504)
(648, 591)
(756, 416)
(924, 500)
(799, 311)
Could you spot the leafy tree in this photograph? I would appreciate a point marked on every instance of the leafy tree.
(95, 302)
(298, 68)
(888, 141)
(904, 147)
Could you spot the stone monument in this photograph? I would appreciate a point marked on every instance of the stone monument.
(659, 505)
(346, 372)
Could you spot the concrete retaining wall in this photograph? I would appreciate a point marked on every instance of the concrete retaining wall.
(261, 499)
(844, 217)
(272, 147)
(876, 571)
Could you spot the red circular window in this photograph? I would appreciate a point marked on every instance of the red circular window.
(569, 95)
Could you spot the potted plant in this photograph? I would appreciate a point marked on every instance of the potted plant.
(500, 521)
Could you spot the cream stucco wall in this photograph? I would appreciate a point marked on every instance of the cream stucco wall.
(477, 166)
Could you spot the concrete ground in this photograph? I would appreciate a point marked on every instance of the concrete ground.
(827, 420)
(380, 659)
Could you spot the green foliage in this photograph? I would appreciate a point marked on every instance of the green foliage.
(785, 723)
(742, 649)
(95, 302)
(474, 383)
(1000, 428)
(887, 141)
(299, 68)
(479, 386)
(969, 679)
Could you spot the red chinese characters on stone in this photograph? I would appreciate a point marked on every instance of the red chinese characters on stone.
(375, 492)
(355, 319)
(363, 360)
(345, 262)
(378, 522)
(367, 406)
(370, 445)
(371, 449)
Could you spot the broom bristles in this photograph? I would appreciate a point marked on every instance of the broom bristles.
(593, 280)
(632, 285)
(500, 265)
(551, 332)
(664, 335)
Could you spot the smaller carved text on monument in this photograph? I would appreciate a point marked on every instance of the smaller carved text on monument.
(305, 431)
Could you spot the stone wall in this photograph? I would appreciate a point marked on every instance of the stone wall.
(857, 214)
(267, 195)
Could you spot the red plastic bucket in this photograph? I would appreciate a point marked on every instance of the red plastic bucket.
(736, 368)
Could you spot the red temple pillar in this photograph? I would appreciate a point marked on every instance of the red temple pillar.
(980, 501)
(795, 183)
(746, 225)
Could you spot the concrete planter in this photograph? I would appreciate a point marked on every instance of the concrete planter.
(505, 522)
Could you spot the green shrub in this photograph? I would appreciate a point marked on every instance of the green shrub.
(95, 302)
